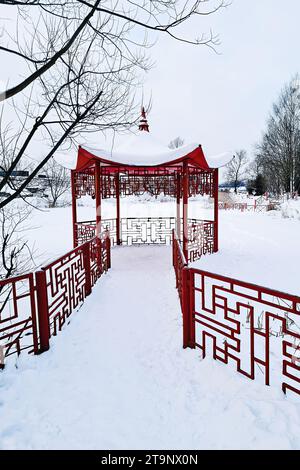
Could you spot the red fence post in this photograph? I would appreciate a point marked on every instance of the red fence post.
(187, 314)
(86, 251)
(173, 248)
(43, 310)
(108, 251)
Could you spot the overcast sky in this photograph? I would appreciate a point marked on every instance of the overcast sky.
(222, 101)
(219, 100)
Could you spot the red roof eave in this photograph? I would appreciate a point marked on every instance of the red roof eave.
(86, 159)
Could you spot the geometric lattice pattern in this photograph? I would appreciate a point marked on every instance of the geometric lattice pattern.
(200, 239)
(179, 262)
(147, 230)
(84, 231)
(254, 328)
(18, 329)
(201, 182)
(152, 231)
(36, 304)
(85, 183)
(154, 182)
(66, 279)
(134, 230)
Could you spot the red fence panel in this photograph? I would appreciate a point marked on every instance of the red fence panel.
(200, 238)
(70, 279)
(18, 324)
(35, 306)
(152, 231)
(134, 230)
(65, 280)
(252, 327)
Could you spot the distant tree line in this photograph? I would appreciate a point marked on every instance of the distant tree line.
(276, 166)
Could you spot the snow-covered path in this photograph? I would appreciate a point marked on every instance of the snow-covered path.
(117, 377)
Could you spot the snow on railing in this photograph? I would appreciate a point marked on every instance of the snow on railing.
(251, 327)
(35, 306)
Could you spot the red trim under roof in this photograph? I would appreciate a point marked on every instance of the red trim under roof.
(86, 159)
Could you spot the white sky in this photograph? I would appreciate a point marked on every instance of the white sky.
(221, 101)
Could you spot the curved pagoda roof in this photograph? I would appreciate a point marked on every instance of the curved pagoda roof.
(142, 150)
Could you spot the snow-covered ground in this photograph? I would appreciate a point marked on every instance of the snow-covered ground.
(262, 248)
(118, 378)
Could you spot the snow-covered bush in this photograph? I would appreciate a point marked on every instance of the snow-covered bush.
(291, 209)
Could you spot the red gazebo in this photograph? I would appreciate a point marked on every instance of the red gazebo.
(144, 165)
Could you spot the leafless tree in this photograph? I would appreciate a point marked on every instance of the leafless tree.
(16, 255)
(176, 143)
(117, 19)
(57, 182)
(84, 58)
(236, 169)
(278, 153)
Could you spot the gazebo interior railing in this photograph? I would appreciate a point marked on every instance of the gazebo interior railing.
(152, 231)
(198, 237)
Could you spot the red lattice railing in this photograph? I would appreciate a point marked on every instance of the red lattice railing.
(248, 325)
(254, 328)
(154, 182)
(35, 306)
(70, 278)
(200, 238)
(179, 263)
(18, 323)
(133, 230)
(152, 231)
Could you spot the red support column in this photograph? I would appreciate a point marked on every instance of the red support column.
(187, 309)
(43, 310)
(216, 210)
(185, 188)
(108, 250)
(74, 207)
(118, 220)
(98, 197)
(178, 194)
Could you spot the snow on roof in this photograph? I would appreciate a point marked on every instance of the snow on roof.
(142, 149)
(220, 160)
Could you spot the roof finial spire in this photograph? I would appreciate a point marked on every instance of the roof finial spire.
(143, 126)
